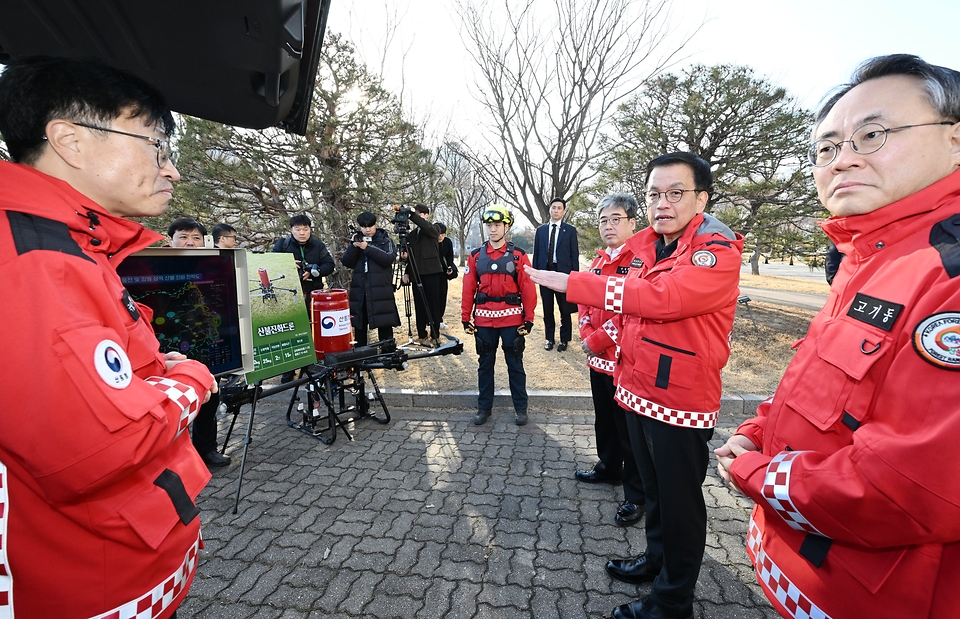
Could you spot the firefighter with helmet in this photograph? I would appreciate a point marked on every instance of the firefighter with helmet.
(497, 309)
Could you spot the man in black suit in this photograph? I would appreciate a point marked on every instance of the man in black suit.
(555, 249)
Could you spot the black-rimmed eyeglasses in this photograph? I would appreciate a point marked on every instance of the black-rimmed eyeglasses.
(672, 195)
(163, 146)
(866, 139)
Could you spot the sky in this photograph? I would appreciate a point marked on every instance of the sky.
(807, 47)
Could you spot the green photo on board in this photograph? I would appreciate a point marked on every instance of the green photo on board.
(281, 327)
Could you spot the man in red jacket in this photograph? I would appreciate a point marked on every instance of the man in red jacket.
(600, 339)
(497, 306)
(677, 303)
(851, 463)
(97, 474)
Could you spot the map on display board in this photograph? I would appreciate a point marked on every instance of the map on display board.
(198, 302)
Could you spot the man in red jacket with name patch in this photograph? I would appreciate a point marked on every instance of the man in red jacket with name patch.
(677, 302)
(852, 463)
(600, 338)
(98, 479)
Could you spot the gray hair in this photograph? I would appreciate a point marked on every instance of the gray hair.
(940, 84)
(624, 200)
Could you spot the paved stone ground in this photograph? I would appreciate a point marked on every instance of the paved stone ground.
(430, 516)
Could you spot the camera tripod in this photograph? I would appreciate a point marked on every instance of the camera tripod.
(401, 267)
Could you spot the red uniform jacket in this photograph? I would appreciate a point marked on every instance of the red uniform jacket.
(857, 484)
(92, 427)
(498, 313)
(600, 328)
(677, 319)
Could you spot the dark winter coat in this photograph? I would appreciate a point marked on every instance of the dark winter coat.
(311, 252)
(446, 258)
(425, 246)
(372, 282)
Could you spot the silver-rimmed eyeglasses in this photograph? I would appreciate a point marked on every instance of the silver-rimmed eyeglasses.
(673, 195)
(612, 221)
(163, 146)
(866, 139)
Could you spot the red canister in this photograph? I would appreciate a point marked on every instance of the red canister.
(330, 318)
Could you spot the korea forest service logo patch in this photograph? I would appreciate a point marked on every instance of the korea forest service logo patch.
(704, 258)
(937, 340)
(112, 364)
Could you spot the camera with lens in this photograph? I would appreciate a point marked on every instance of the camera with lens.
(314, 269)
(357, 235)
(401, 216)
(401, 222)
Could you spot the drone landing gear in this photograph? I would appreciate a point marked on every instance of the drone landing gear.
(335, 397)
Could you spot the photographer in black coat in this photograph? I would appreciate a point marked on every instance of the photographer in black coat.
(372, 304)
(425, 249)
(313, 260)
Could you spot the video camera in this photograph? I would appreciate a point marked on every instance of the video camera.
(401, 223)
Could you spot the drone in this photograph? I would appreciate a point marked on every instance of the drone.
(266, 290)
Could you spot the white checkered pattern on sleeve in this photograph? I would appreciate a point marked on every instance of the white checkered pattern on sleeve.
(584, 321)
(182, 395)
(672, 416)
(6, 578)
(152, 603)
(604, 365)
(613, 299)
(510, 311)
(776, 490)
(776, 582)
(611, 330)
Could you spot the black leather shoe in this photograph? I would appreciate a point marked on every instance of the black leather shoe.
(634, 571)
(644, 609)
(481, 417)
(521, 419)
(216, 460)
(593, 477)
(562, 347)
(548, 345)
(628, 514)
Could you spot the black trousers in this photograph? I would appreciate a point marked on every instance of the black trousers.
(613, 438)
(492, 337)
(205, 426)
(430, 299)
(549, 321)
(673, 464)
(360, 333)
(444, 287)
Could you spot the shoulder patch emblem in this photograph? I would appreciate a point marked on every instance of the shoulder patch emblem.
(937, 340)
(636, 264)
(623, 270)
(704, 258)
(466, 269)
(597, 271)
(130, 305)
(112, 364)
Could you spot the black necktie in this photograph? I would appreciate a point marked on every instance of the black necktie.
(553, 243)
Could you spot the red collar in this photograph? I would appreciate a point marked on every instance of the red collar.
(27, 190)
(869, 233)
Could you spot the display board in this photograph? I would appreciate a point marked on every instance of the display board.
(280, 325)
(200, 303)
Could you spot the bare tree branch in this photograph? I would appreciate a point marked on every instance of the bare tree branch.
(549, 85)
